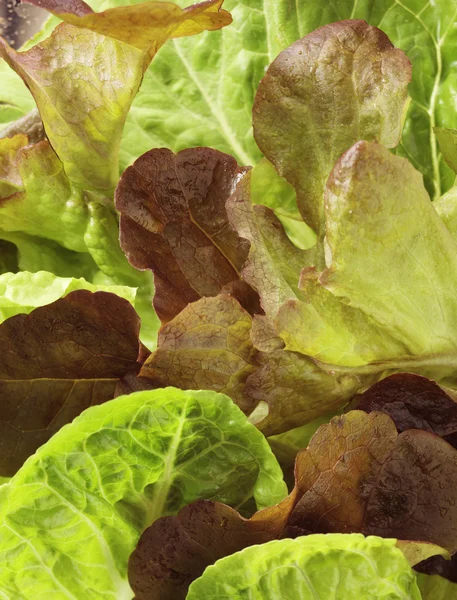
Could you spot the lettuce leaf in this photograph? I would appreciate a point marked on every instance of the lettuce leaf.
(211, 80)
(87, 495)
(101, 76)
(347, 74)
(173, 222)
(434, 587)
(23, 292)
(58, 360)
(356, 475)
(327, 566)
(413, 402)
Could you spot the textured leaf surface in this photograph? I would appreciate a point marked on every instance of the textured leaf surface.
(174, 222)
(446, 207)
(211, 79)
(413, 402)
(318, 324)
(86, 496)
(176, 550)
(447, 139)
(57, 361)
(22, 292)
(207, 346)
(101, 75)
(358, 474)
(297, 390)
(341, 83)
(10, 180)
(273, 264)
(146, 25)
(286, 445)
(397, 270)
(50, 206)
(334, 566)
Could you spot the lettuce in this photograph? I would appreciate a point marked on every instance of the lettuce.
(88, 493)
(371, 297)
(311, 567)
(364, 473)
(23, 292)
(58, 360)
(57, 192)
(299, 288)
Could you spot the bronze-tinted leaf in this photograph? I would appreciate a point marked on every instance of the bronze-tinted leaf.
(174, 222)
(57, 361)
(413, 402)
(74, 7)
(359, 475)
(437, 565)
(174, 551)
(297, 390)
(339, 84)
(207, 346)
(144, 25)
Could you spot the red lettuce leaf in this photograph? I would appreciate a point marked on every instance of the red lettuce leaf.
(173, 222)
(413, 402)
(56, 362)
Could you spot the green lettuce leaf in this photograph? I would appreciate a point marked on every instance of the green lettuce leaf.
(101, 76)
(212, 79)
(58, 360)
(49, 205)
(22, 292)
(86, 496)
(395, 268)
(10, 180)
(347, 74)
(8, 257)
(434, 587)
(35, 254)
(447, 139)
(15, 98)
(273, 191)
(326, 566)
(446, 207)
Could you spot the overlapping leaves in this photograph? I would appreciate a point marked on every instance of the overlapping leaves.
(373, 296)
(86, 495)
(358, 474)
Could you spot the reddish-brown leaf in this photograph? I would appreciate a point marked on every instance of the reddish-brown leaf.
(174, 222)
(413, 402)
(57, 361)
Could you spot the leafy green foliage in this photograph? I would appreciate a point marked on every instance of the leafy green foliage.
(291, 325)
(345, 74)
(356, 475)
(16, 296)
(110, 51)
(87, 494)
(331, 566)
